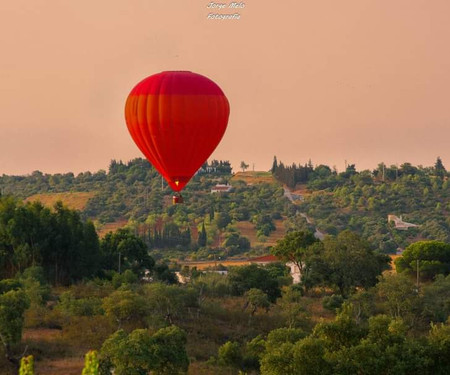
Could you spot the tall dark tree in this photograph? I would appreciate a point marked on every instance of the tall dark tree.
(439, 168)
(274, 164)
(202, 237)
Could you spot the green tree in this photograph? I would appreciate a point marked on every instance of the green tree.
(13, 303)
(256, 299)
(436, 299)
(163, 353)
(222, 220)
(161, 272)
(27, 366)
(439, 341)
(309, 357)
(35, 285)
(244, 166)
(202, 237)
(91, 363)
(230, 354)
(433, 257)
(399, 298)
(295, 247)
(124, 248)
(274, 165)
(293, 309)
(278, 358)
(342, 332)
(125, 306)
(439, 168)
(244, 278)
(348, 262)
(169, 302)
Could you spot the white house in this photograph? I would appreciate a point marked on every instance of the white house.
(221, 188)
(266, 259)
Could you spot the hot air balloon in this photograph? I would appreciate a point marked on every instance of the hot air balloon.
(177, 119)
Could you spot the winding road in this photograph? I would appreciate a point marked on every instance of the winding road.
(318, 234)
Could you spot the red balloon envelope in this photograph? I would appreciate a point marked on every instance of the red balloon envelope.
(177, 119)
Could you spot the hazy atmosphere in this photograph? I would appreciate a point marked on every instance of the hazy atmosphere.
(358, 80)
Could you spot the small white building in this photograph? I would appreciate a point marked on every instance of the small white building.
(221, 188)
(266, 259)
(399, 223)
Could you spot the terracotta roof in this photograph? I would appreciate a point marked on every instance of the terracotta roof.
(265, 259)
(223, 187)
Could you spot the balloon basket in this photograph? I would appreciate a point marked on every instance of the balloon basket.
(177, 199)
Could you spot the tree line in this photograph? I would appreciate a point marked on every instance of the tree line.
(66, 247)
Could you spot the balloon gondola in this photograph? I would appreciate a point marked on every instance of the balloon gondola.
(177, 119)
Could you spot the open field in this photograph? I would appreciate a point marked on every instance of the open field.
(201, 265)
(247, 229)
(254, 177)
(61, 366)
(301, 190)
(103, 229)
(61, 361)
(76, 200)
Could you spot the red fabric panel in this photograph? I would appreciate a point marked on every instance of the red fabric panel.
(176, 83)
(177, 132)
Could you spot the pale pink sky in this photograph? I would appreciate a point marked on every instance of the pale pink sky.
(358, 80)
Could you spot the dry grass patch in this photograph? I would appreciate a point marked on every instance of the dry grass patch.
(41, 334)
(63, 366)
(76, 200)
(247, 229)
(203, 368)
(201, 265)
(254, 177)
(102, 230)
(301, 190)
(316, 310)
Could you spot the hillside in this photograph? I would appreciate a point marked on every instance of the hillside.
(362, 201)
(85, 288)
(73, 200)
(254, 177)
(133, 194)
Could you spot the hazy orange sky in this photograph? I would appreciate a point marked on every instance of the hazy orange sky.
(358, 80)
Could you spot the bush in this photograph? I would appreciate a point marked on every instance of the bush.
(230, 354)
(128, 277)
(332, 302)
(87, 332)
(79, 307)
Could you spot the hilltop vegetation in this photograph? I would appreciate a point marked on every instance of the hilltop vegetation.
(134, 193)
(361, 201)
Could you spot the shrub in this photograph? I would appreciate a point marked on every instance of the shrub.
(332, 302)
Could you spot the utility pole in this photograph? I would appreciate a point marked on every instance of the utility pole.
(417, 269)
